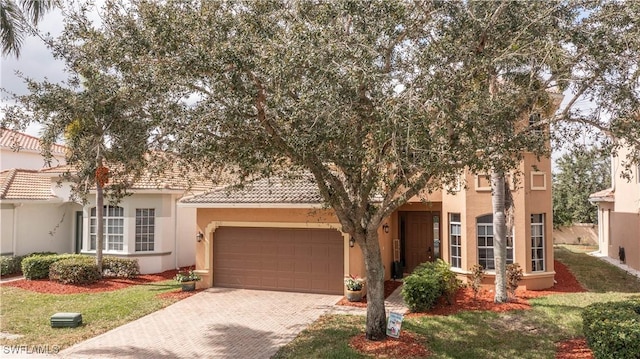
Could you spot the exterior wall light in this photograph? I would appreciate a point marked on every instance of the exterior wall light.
(199, 236)
(352, 242)
(385, 228)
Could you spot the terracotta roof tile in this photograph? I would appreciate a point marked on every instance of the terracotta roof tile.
(607, 195)
(266, 190)
(20, 141)
(24, 184)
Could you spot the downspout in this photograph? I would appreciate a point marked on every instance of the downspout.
(175, 230)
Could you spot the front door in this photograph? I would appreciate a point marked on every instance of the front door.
(78, 232)
(422, 235)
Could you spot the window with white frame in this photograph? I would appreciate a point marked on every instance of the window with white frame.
(485, 243)
(145, 229)
(534, 120)
(455, 240)
(537, 242)
(113, 228)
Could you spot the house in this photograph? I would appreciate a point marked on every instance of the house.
(275, 234)
(619, 214)
(37, 214)
(19, 150)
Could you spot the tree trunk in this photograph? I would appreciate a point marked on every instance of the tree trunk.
(99, 218)
(499, 235)
(376, 317)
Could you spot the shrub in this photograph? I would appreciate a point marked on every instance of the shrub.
(428, 282)
(613, 329)
(36, 265)
(514, 276)
(120, 267)
(75, 270)
(10, 264)
(475, 279)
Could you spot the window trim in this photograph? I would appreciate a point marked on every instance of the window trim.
(534, 249)
(150, 234)
(544, 180)
(107, 235)
(511, 237)
(457, 258)
(477, 182)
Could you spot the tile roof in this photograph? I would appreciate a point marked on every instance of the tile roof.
(21, 141)
(607, 195)
(298, 190)
(18, 184)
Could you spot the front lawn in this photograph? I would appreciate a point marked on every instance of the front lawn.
(515, 334)
(28, 313)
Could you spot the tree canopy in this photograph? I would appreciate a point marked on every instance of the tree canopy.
(381, 101)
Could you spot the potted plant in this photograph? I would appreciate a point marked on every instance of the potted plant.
(187, 280)
(354, 286)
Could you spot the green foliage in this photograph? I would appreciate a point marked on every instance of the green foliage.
(75, 270)
(580, 172)
(120, 267)
(514, 276)
(612, 329)
(475, 279)
(10, 264)
(36, 265)
(428, 282)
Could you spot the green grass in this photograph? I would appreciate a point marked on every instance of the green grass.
(28, 314)
(515, 334)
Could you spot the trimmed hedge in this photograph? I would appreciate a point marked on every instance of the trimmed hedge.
(428, 282)
(120, 267)
(75, 270)
(10, 264)
(612, 329)
(36, 265)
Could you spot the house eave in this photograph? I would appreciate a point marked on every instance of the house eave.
(252, 205)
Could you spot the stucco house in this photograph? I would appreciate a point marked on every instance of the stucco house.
(275, 234)
(19, 150)
(36, 214)
(619, 214)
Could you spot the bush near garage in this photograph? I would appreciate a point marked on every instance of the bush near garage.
(75, 270)
(428, 282)
(612, 329)
(120, 267)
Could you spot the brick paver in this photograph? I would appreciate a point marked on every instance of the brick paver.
(216, 323)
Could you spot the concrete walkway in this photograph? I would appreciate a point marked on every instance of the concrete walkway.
(616, 262)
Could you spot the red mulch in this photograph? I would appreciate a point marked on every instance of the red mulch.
(465, 301)
(389, 287)
(408, 345)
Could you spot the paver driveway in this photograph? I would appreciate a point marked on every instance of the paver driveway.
(216, 323)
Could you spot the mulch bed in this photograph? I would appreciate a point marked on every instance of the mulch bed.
(389, 287)
(465, 301)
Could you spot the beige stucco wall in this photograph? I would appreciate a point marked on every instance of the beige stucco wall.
(209, 219)
(6, 228)
(25, 159)
(625, 232)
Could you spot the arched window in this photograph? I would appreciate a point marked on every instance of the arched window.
(484, 235)
(113, 239)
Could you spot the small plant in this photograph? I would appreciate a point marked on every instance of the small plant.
(514, 276)
(353, 282)
(189, 276)
(120, 267)
(475, 279)
(10, 265)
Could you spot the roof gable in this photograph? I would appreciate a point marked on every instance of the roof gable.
(17, 141)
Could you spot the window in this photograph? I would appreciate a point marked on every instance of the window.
(485, 243)
(455, 240)
(113, 239)
(145, 229)
(537, 242)
(534, 118)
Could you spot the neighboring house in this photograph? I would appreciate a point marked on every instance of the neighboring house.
(619, 215)
(19, 150)
(37, 215)
(276, 235)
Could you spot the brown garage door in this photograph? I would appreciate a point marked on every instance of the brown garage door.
(297, 260)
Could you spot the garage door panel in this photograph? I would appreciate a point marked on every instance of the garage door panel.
(305, 260)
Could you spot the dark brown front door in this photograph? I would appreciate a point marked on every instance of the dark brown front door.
(419, 238)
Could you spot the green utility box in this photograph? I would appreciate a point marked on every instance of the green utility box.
(66, 320)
